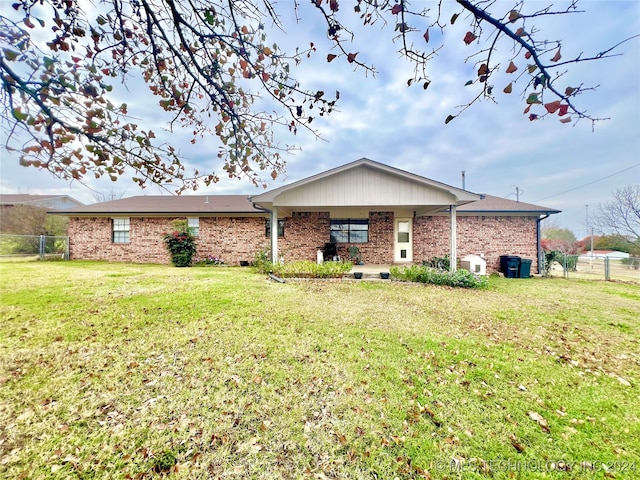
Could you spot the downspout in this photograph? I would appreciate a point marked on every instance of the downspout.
(539, 241)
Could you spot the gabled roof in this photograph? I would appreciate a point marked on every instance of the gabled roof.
(335, 185)
(491, 204)
(169, 204)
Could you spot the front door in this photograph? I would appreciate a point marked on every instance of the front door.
(403, 251)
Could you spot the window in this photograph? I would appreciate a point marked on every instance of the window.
(120, 230)
(280, 227)
(193, 226)
(349, 230)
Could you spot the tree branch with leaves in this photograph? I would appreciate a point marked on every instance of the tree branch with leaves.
(216, 73)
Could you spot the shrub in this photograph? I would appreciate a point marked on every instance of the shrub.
(261, 261)
(180, 243)
(423, 274)
(308, 269)
(439, 263)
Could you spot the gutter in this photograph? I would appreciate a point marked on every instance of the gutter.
(539, 241)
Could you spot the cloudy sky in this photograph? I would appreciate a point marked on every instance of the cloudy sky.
(561, 166)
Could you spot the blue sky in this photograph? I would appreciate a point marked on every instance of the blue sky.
(561, 166)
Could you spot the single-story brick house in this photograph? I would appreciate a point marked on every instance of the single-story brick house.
(391, 215)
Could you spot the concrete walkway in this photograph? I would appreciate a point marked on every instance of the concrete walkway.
(370, 270)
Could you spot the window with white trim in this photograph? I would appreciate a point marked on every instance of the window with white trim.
(349, 230)
(267, 229)
(120, 230)
(193, 226)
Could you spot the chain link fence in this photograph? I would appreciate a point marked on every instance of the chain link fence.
(575, 266)
(33, 247)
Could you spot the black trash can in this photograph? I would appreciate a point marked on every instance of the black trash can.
(525, 267)
(510, 265)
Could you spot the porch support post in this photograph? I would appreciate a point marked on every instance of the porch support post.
(274, 235)
(452, 227)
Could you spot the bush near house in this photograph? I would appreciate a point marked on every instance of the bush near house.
(180, 243)
(306, 269)
(423, 274)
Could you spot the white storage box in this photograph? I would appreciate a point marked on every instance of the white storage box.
(474, 264)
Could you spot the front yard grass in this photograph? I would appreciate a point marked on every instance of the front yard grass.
(147, 371)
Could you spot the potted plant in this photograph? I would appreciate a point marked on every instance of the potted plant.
(180, 243)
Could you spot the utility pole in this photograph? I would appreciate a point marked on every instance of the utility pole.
(591, 237)
(517, 194)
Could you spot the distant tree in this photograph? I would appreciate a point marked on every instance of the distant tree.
(108, 196)
(619, 243)
(30, 223)
(560, 239)
(216, 73)
(621, 216)
(30, 220)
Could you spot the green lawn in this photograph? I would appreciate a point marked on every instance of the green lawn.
(147, 371)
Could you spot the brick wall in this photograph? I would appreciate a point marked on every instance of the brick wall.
(232, 238)
(304, 233)
(491, 236)
(240, 238)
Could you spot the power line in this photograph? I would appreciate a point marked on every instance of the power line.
(587, 184)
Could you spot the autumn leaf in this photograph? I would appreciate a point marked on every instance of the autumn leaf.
(469, 38)
(531, 68)
(533, 98)
(508, 88)
(10, 55)
(557, 56)
(483, 70)
(454, 17)
(552, 107)
(527, 55)
(564, 108)
(536, 417)
(511, 68)
(449, 118)
(330, 57)
(396, 9)
(514, 15)
(533, 117)
(565, 120)
(520, 32)
(352, 57)
(516, 444)
(569, 91)
(426, 36)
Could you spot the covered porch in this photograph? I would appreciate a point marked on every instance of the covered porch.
(363, 204)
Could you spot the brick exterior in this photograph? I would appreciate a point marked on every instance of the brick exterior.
(232, 238)
(240, 238)
(491, 236)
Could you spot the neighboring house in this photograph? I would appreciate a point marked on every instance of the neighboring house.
(602, 254)
(392, 216)
(49, 202)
